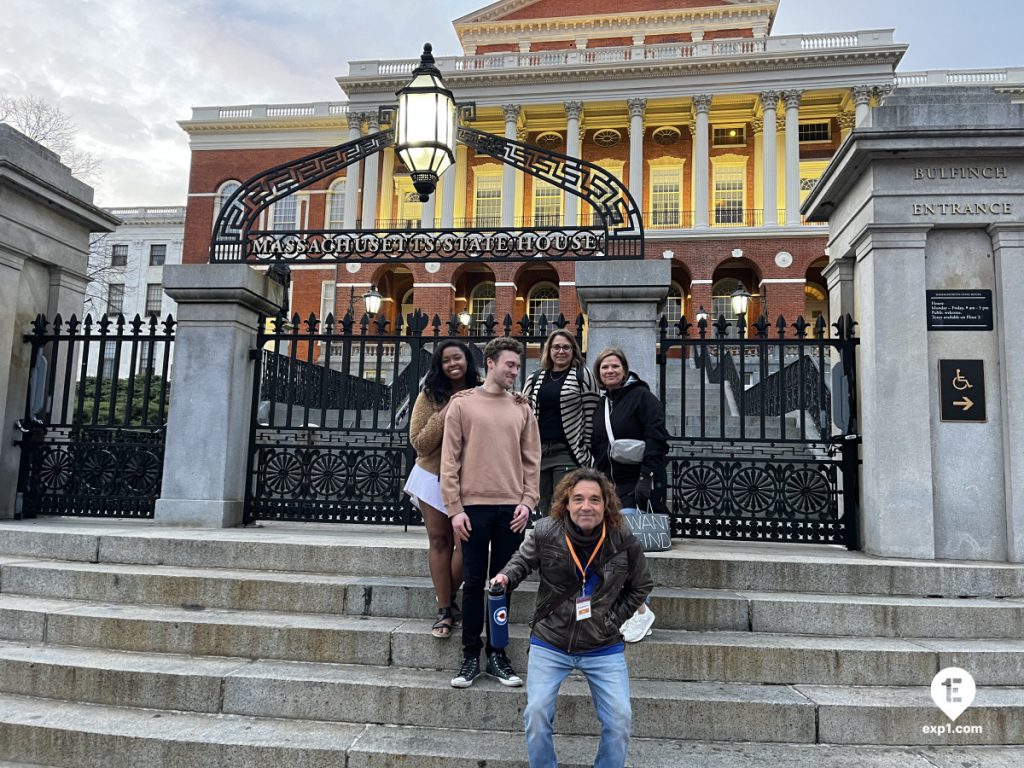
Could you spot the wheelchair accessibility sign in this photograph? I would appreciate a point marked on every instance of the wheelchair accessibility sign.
(962, 390)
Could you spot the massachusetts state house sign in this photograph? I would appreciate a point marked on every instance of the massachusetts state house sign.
(618, 233)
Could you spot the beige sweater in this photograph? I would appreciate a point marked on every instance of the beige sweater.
(490, 453)
(426, 425)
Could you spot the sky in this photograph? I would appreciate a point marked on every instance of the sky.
(127, 70)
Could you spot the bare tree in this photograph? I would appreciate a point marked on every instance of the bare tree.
(52, 127)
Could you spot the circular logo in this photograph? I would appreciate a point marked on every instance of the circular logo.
(501, 616)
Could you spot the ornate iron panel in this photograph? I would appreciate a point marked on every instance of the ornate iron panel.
(754, 454)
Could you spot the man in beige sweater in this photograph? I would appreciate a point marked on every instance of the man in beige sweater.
(490, 475)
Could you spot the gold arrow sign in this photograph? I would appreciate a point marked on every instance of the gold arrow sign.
(966, 403)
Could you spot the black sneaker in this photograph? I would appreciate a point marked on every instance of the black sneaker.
(468, 672)
(500, 668)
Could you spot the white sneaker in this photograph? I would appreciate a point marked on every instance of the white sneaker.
(638, 626)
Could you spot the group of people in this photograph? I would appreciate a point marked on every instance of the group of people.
(487, 459)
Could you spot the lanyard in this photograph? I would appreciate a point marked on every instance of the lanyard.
(583, 569)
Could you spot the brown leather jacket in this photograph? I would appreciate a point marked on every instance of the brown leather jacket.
(624, 581)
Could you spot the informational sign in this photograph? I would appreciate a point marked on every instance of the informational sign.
(962, 390)
(959, 310)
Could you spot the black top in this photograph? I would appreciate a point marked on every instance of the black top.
(549, 409)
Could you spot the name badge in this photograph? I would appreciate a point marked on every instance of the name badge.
(582, 608)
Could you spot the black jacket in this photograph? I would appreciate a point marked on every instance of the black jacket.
(636, 415)
(623, 582)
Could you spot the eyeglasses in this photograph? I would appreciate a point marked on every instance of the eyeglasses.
(561, 348)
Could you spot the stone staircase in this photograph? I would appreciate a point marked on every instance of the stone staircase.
(309, 645)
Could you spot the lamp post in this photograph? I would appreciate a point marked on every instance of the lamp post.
(702, 315)
(740, 301)
(426, 125)
(371, 300)
(465, 318)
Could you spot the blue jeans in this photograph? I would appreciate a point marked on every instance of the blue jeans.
(608, 679)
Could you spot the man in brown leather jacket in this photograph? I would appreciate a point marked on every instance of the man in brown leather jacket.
(593, 576)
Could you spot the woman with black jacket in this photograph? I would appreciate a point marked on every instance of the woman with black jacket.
(635, 414)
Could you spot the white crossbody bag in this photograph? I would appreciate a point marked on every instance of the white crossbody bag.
(623, 451)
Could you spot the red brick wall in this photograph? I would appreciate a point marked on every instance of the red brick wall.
(721, 34)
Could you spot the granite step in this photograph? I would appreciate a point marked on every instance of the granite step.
(413, 597)
(387, 551)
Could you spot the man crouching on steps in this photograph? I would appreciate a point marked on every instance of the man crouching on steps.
(490, 477)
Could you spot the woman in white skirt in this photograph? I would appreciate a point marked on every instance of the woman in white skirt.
(451, 370)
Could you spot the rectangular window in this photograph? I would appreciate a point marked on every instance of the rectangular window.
(666, 197)
(729, 136)
(729, 184)
(109, 351)
(487, 208)
(327, 293)
(547, 204)
(336, 217)
(115, 298)
(286, 213)
(154, 298)
(157, 254)
(815, 131)
(119, 255)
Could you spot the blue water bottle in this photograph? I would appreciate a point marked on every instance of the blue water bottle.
(497, 612)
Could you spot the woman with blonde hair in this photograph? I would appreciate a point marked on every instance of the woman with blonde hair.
(563, 394)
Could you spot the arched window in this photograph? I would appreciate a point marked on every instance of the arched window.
(336, 204)
(481, 304)
(674, 308)
(224, 193)
(543, 300)
(721, 299)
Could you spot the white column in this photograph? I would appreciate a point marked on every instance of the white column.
(370, 181)
(847, 122)
(1008, 251)
(862, 100)
(769, 173)
(448, 196)
(757, 129)
(792, 100)
(637, 107)
(354, 175)
(573, 112)
(701, 105)
(385, 209)
(508, 179)
(429, 213)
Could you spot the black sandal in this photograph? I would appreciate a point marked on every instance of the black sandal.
(456, 614)
(443, 626)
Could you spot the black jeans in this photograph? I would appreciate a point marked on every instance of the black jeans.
(491, 537)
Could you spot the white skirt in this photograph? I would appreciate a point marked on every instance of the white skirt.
(423, 486)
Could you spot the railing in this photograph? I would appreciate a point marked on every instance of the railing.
(243, 111)
(170, 213)
(630, 53)
(92, 434)
(941, 77)
(798, 387)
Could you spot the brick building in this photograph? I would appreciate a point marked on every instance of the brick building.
(719, 128)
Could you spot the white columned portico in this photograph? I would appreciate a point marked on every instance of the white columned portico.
(354, 175)
(637, 108)
(370, 180)
(385, 209)
(769, 174)
(701, 105)
(847, 122)
(429, 213)
(448, 194)
(573, 113)
(862, 102)
(792, 101)
(508, 178)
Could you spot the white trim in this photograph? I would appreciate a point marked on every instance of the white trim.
(204, 194)
(782, 280)
(433, 285)
(702, 282)
(568, 282)
(504, 285)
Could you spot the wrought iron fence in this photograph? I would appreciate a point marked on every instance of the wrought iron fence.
(92, 435)
(318, 452)
(755, 454)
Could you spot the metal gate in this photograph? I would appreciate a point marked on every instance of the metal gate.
(330, 412)
(92, 435)
(764, 439)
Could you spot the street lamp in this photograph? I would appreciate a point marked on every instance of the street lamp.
(465, 318)
(372, 299)
(702, 314)
(740, 301)
(426, 125)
